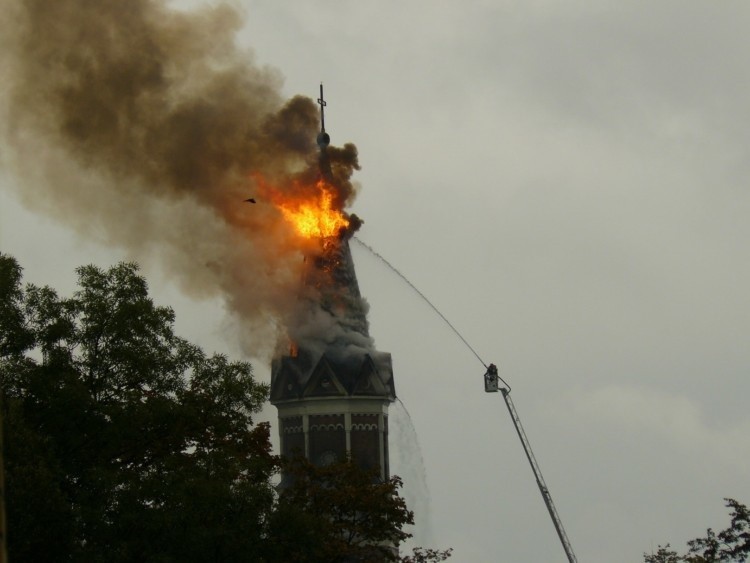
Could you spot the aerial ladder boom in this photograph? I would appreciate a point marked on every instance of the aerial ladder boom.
(491, 385)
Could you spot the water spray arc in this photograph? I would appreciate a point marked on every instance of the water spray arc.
(408, 462)
(372, 251)
(491, 385)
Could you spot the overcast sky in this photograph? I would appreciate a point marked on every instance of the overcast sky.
(567, 183)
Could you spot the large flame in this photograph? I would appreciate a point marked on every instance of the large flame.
(315, 218)
(313, 214)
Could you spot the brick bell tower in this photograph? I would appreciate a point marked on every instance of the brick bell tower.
(333, 396)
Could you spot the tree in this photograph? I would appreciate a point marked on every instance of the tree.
(340, 513)
(728, 546)
(426, 555)
(731, 545)
(663, 555)
(15, 338)
(124, 442)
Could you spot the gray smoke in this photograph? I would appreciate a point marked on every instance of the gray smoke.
(147, 128)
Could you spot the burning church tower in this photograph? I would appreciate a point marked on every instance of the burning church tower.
(332, 389)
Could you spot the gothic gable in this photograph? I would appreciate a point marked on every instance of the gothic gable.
(285, 381)
(368, 381)
(323, 382)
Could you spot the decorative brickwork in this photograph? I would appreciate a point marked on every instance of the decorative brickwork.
(293, 443)
(327, 438)
(365, 440)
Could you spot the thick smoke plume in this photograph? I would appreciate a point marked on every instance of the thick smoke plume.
(148, 127)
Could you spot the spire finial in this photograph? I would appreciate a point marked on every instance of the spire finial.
(323, 138)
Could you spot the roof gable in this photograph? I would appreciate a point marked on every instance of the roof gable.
(323, 382)
(368, 381)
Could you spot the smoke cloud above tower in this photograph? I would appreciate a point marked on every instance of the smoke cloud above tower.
(147, 127)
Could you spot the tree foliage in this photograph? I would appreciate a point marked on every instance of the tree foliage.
(123, 441)
(340, 513)
(728, 546)
(664, 554)
(427, 555)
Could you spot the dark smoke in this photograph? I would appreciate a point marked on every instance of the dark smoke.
(145, 127)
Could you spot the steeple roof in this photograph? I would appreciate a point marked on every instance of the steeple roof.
(358, 375)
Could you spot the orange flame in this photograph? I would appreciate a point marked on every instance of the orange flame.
(313, 215)
(315, 218)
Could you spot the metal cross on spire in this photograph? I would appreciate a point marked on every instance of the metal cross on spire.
(323, 104)
(323, 138)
